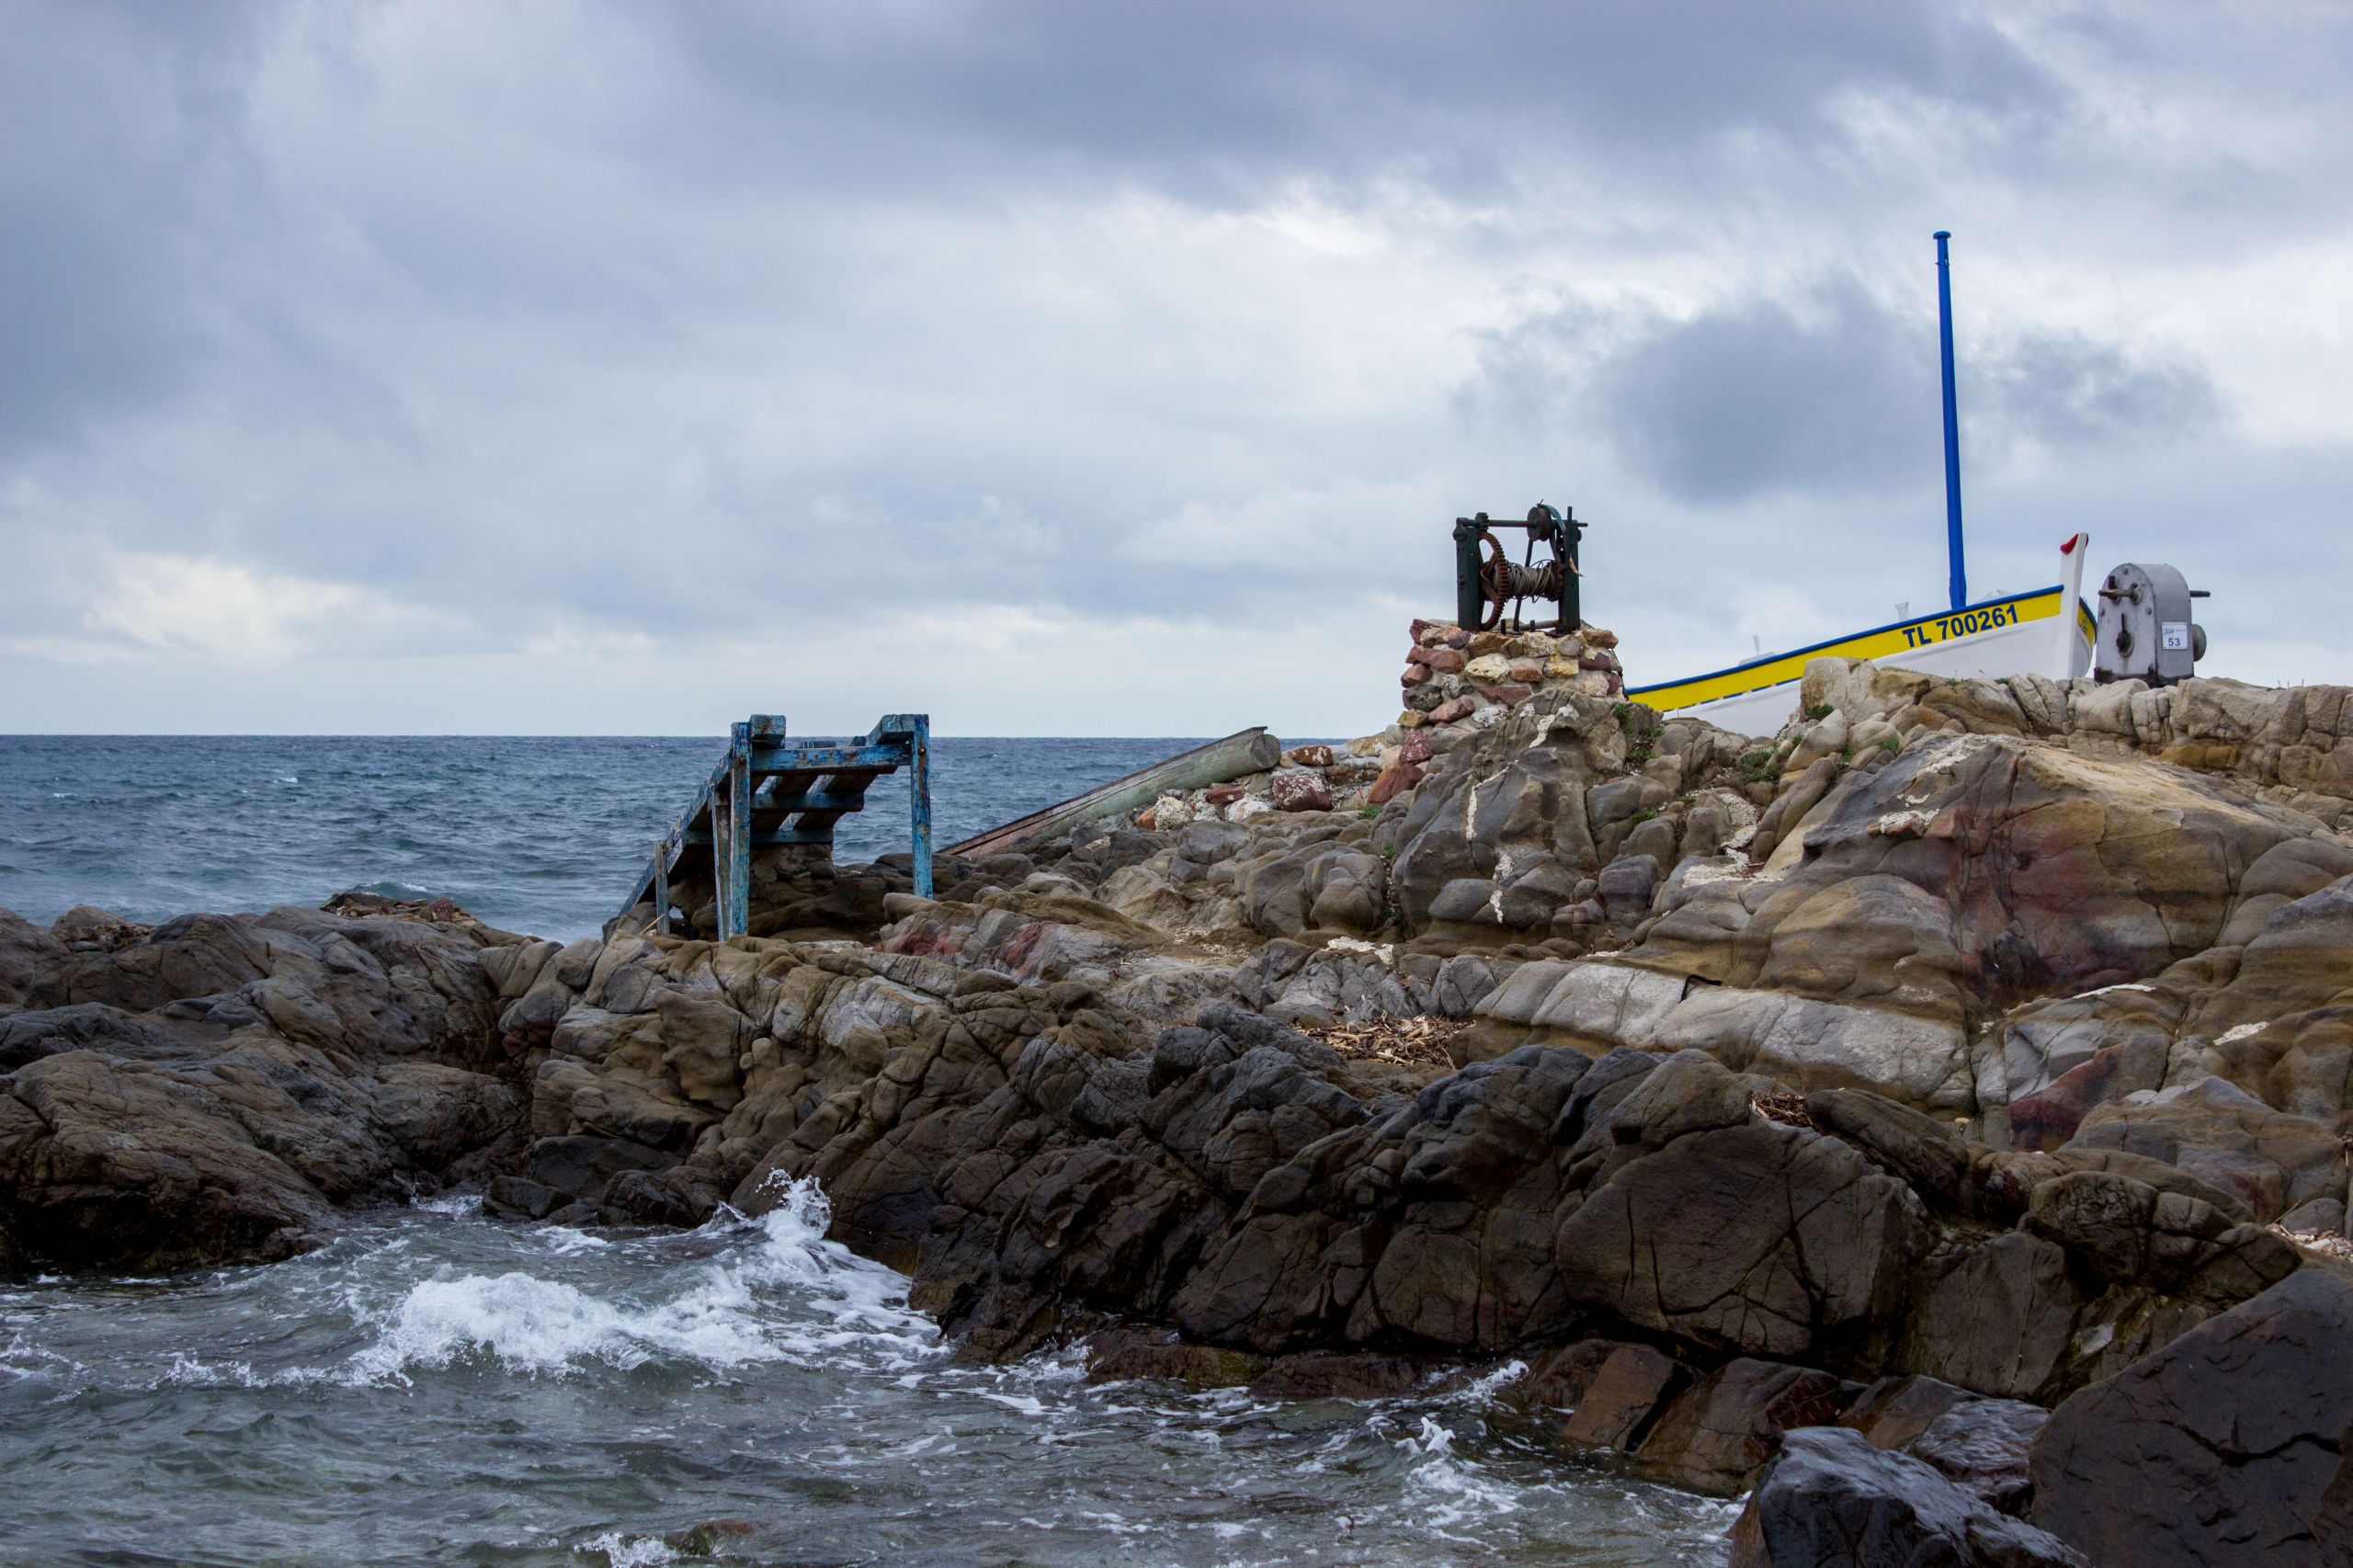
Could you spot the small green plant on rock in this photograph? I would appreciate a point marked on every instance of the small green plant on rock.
(1816, 713)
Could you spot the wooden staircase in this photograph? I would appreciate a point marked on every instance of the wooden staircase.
(770, 790)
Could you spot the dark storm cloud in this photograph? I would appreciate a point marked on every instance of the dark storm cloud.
(2068, 389)
(119, 124)
(1831, 392)
(1762, 398)
(1209, 98)
(557, 321)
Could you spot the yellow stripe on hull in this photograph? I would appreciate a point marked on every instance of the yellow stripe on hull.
(1885, 641)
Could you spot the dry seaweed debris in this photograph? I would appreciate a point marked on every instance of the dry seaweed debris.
(2325, 1242)
(1789, 1110)
(432, 911)
(1420, 1042)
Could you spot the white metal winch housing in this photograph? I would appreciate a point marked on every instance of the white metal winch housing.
(2145, 632)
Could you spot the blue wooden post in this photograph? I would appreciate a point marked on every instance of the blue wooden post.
(806, 787)
(738, 918)
(919, 800)
(1960, 583)
(719, 837)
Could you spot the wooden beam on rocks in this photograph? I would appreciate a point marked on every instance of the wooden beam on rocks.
(1241, 753)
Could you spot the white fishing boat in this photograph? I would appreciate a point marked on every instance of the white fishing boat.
(2047, 631)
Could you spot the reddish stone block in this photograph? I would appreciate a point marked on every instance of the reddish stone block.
(1301, 791)
(1394, 780)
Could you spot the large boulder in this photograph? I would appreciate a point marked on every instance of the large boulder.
(1723, 1430)
(211, 1090)
(1759, 1238)
(2226, 1447)
(1832, 1500)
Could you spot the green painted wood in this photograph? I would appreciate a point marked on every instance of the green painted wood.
(1243, 752)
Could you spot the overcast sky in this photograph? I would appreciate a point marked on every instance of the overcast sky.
(1079, 369)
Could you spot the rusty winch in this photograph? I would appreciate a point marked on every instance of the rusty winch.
(1488, 582)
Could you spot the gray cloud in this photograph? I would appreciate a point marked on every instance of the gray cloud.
(1210, 98)
(1762, 398)
(2068, 389)
(116, 118)
(1830, 391)
(474, 330)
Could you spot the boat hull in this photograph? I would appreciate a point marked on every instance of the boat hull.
(2018, 635)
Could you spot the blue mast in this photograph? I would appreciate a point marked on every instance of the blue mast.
(1952, 425)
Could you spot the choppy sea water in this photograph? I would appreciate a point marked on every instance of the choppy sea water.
(436, 1387)
(531, 834)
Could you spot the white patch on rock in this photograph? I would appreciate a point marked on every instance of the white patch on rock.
(1730, 866)
(1384, 953)
(1903, 825)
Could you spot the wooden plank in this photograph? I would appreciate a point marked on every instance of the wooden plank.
(661, 921)
(772, 837)
(832, 800)
(739, 824)
(1243, 752)
(719, 837)
(919, 797)
(768, 758)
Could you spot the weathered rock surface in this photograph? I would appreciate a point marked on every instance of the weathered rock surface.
(2227, 1446)
(991, 1103)
(209, 1091)
(1832, 1500)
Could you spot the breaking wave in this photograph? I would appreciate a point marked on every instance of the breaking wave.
(724, 1314)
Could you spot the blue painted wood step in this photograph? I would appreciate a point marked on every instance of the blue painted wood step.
(770, 790)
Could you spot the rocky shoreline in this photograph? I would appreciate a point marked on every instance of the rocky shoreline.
(1931, 1121)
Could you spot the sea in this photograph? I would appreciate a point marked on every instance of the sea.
(436, 1387)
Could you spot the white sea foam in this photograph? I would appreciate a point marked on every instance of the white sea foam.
(529, 1325)
(1026, 1404)
(1451, 1491)
(621, 1551)
(782, 1293)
